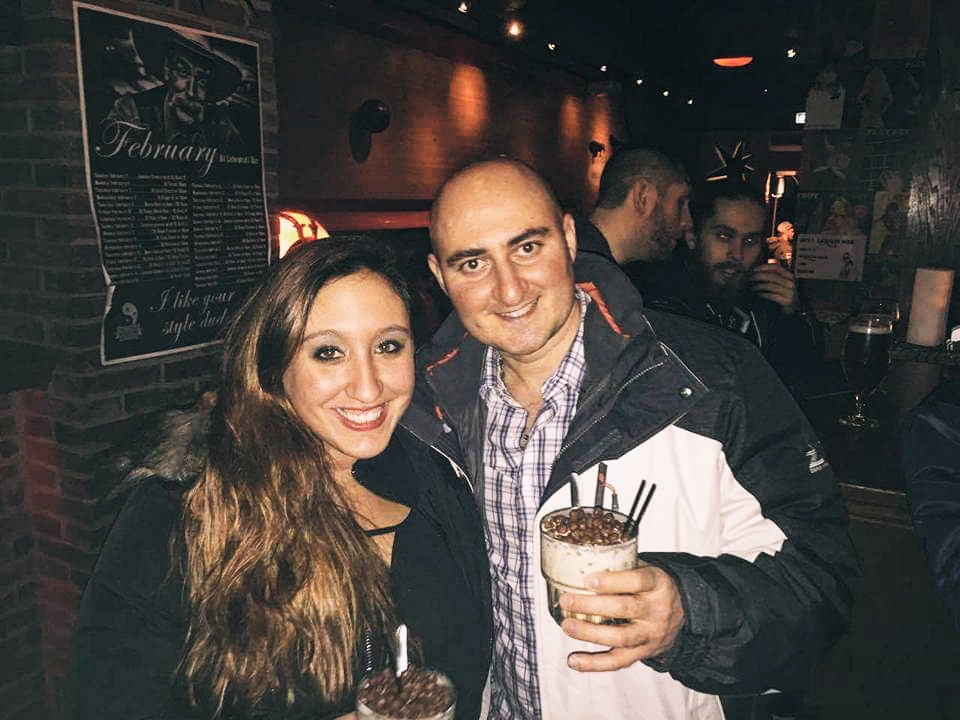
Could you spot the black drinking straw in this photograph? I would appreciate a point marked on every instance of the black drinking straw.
(633, 508)
(632, 524)
(601, 484)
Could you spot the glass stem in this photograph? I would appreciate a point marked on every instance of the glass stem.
(859, 404)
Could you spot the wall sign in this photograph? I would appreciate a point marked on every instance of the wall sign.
(174, 151)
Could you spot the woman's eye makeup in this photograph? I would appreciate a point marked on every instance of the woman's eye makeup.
(391, 347)
(326, 353)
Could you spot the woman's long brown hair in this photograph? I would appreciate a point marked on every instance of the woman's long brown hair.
(281, 581)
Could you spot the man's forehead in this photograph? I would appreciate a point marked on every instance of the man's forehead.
(507, 201)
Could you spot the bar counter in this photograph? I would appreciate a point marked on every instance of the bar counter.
(898, 657)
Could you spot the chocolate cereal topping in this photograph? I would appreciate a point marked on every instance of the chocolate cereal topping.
(585, 527)
(418, 695)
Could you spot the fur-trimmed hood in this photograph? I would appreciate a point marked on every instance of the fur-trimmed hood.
(174, 449)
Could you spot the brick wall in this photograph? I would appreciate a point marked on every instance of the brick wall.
(52, 514)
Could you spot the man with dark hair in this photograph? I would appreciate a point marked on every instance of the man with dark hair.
(538, 381)
(721, 275)
(642, 208)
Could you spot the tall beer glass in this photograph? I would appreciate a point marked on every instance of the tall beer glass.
(865, 359)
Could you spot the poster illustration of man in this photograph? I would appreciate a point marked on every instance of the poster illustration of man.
(173, 143)
(184, 108)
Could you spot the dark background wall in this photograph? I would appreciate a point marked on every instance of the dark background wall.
(60, 411)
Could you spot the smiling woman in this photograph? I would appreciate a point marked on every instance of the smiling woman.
(276, 537)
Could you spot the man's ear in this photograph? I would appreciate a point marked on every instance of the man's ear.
(570, 235)
(644, 197)
(434, 266)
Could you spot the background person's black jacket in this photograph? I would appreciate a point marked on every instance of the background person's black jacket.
(931, 468)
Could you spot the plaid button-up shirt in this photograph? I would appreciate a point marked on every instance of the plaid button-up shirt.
(516, 470)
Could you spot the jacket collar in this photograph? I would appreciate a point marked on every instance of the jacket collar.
(627, 368)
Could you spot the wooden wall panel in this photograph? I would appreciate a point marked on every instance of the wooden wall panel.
(444, 113)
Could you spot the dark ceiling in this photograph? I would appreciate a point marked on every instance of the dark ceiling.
(669, 44)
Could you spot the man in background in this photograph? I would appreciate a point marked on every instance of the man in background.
(642, 208)
(743, 578)
(721, 275)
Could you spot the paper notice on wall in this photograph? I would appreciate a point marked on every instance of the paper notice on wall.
(173, 141)
(831, 257)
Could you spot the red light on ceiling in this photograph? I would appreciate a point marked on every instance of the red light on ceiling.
(733, 62)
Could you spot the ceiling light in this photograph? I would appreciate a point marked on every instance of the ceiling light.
(792, 53)
(690, 101)
(666, 93)
(733, 62)
(603, 68)
(551, 46)
(800, 118)
(515, 29)
(463, 7)
(639, 81)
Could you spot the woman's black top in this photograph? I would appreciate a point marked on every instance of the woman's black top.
(132, 622)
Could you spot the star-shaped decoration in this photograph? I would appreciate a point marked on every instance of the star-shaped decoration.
(735, 165)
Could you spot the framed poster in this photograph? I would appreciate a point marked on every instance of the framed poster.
(833, 238)
(174, 150)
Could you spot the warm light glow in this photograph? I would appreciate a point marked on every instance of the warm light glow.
(551, 46)
(639, 81)
(733, 62)
(294, 227)
(463, 7)
(515, 29)
(468, 102)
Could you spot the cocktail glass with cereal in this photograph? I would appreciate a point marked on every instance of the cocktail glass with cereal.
(576, 542)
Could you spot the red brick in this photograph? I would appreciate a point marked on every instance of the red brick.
(51, 569)
(33, 401)
(41, 476)
(46, 525)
